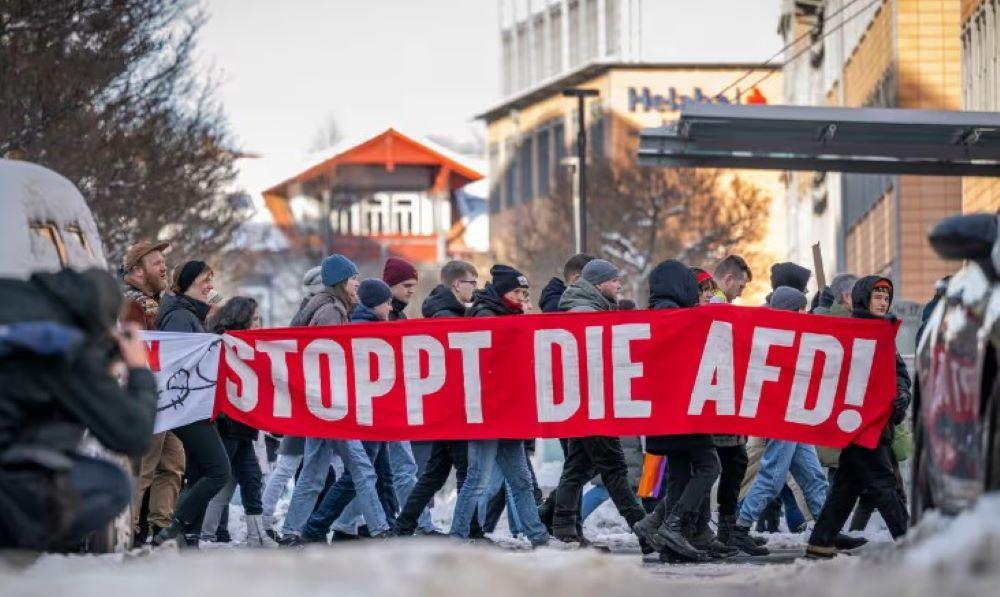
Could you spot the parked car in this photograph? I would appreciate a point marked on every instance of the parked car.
(956, 413)
(45, 225)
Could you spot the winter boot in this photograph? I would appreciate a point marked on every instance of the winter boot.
(739, 537)
(291, 540)
(174, 532)
(847, 544)
(817, 552)
(672, 534)
(645, 530)
(726, 524)
(705, 540)
(256, 536)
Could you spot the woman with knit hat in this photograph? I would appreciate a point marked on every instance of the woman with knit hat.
(208, 469)
(331, 306)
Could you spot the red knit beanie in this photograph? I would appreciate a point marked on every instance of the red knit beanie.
(398, 270)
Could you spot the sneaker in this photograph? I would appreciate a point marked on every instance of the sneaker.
(291, 540)
(174, 532)
(342, 536)
(435, 534)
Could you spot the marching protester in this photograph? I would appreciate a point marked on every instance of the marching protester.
(331, 306)
(505, 295)
(692, 462)
(597, 289)
(450, 298)
(58, 347)
(862, 469)
(459, 281)
(208, 468)
(731, 275)
(401, 277)
(707, 288)
(238, 313)
(161, 471)
(548, 301)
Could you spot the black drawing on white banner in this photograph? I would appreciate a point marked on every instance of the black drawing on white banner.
(179, 385)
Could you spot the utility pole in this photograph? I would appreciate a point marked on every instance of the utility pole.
(581, 168)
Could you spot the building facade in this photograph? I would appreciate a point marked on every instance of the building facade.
(893, 54)
(981, 87)
(530, 134)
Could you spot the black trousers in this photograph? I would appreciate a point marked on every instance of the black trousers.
(208, 467)
(587, 456)
(690, 476)
(861, 470)
(445, 455)
(734, 463)
(246, 470)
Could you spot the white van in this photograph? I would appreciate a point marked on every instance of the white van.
(45, 225)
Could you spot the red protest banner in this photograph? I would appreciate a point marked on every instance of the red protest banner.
(712, 369)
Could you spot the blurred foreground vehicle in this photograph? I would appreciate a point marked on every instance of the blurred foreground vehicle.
(956, 411)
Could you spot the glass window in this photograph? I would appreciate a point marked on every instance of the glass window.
(543, 161)
(526, 164)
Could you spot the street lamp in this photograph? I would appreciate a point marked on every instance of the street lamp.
(581, 168)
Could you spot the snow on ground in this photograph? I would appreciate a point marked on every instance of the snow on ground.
(943, 556)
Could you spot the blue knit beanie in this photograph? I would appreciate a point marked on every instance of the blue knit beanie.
(337, 268)
(374, 292)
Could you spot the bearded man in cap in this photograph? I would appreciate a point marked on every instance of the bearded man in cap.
(161, 470)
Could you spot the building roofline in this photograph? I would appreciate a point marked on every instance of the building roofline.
(554, 85)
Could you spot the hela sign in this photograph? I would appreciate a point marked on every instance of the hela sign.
(671, 102)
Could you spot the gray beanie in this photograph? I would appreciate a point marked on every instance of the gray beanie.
(598, 271)
(787, 298)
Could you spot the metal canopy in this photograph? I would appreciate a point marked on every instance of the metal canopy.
(870, 140)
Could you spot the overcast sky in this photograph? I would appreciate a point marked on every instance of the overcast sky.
(428, 66)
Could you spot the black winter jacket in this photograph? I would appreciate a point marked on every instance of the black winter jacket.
(548, 301)
(181, 313)
(673, 286)
(442, 302)
(488, 303)
(789, 274)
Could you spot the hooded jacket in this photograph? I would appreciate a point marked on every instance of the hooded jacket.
(322, 309)
(861, 299)
(442, 302)
(488, 303)
(181, 313)
(583, 297)
(789, 274)
(548, 301)
(673, 286)
(46, 403)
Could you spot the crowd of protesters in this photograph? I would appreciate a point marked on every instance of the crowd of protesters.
(379, 490)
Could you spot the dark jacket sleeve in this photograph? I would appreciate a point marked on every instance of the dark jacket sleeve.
(903, 393)
(120, 417)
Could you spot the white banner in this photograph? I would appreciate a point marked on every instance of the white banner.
(186, 367)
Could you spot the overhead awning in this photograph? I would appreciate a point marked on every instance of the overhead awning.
(871, 140)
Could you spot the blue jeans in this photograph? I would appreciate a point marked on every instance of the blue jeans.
(508, 456)
(404, 479)
(594, 497)
(793, 515)
(779, 459)
(315, 466)
(357, 483)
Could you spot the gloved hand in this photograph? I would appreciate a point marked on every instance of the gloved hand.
(899, 406)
